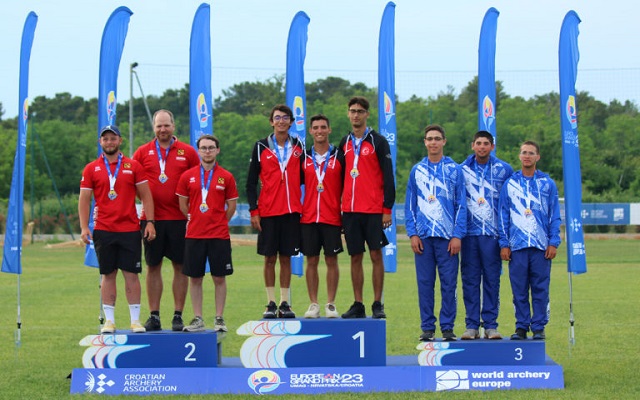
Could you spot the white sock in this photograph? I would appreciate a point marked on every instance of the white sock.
(284, 295)
(109, 312)
(271, 293)
(134, 312)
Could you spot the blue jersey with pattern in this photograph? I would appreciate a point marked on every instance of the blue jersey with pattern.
(435, 205)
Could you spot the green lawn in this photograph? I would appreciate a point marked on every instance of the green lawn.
(60, 305)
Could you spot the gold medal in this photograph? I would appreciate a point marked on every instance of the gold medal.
(354, 173)
(481, 200)
(431, 198)
(204, 208)
(320, 187)
(112, 194)
(163, 178)
(528, 212)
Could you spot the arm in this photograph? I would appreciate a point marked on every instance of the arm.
(144, 193)
(184, 205)
(84, 204)
(231, 208)
(252, 182)
(388, 180)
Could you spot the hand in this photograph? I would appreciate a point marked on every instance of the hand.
(85, 235)
(550, 254)
(150, 232)
(416, 244)
(255, 222)
(454, 246)
(386, 221)
(505, 254)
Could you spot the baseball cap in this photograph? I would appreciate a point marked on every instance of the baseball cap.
(110, 128)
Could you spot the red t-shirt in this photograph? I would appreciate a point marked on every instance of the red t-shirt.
(181, 157)
(213, 223)
(119, 214)
(322, 207)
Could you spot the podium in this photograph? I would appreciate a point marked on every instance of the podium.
(299, 356)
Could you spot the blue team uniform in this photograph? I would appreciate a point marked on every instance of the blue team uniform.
(480, 255)
(436, 211)
(529, 223)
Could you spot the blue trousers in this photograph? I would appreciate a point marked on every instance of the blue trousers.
(481, 264)
(530, 271)
(435, 255)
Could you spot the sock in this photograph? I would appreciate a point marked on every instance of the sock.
(156, 313)
(134, 312)
(271, 294)
(109, 312)
(284, 295)
(178, 313)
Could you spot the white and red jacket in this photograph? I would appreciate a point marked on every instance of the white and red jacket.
(323, 206)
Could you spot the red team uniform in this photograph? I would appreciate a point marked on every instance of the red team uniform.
(109, 215)
(322, 206)
(211, 224)
(180, 158)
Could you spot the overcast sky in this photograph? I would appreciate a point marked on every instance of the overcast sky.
(251, 35)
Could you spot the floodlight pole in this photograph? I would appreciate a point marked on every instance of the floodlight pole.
(131, 67)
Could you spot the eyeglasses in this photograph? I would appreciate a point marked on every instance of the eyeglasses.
(284, 118)
(527, 153)
(432, 138)
(209, 148)
(359, 111)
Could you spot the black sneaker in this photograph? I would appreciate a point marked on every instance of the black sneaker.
(538, 335)
(153, 323)
(520, 334)
(427, 336)
(271, 311)
(176, 323)
(377, 309)
(356, 311)
(449, 336)
(284, 311)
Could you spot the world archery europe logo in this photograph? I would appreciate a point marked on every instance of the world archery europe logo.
(203, 111)
(264, 381)
(111, 107)
(453, 379)
(488, 112)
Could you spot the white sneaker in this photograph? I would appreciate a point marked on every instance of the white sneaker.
(108, 327)
(136, 327)
(196, 325)
(313, 311)
(470, 334)
(219, 325)
(330, 311)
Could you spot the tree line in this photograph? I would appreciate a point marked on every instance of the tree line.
(63, 133)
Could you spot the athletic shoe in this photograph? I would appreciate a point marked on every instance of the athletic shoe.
(492, 334)
(449, 336)
(313, 311)
(356, 311)
(470, 334)
(136, 327)
(284, 311)
(520, 334)
(108, 327)
(427, 336)
(177, 325)
(196, 325)
(539, 335)
(377, 310)
(271, 311)
(219, 325)
(330, 311)
(153, 323)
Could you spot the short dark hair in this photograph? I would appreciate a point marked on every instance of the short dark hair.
(531, 143)
(361, 101)
(319, 117)
(483, 134)
(282, 108)
(434, 127)
(208, 137)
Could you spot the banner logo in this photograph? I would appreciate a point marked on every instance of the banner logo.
(388, 108)
(298, 113)
(203, 111)
(571, 111)
(453, 379)
(111, 107)
(488, 112)
(98, 385)
(264, 381)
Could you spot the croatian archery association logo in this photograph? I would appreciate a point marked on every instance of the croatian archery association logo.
(97, 385)
(264, 381)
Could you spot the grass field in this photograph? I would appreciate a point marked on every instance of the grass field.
(60, 305)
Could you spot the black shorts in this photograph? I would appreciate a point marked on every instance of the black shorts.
(199, 251)
(169, 242)
(118, 250)
(279, 235)
(317, 236)
(360, 228)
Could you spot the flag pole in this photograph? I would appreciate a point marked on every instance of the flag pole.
(18, 332)
(572, 332)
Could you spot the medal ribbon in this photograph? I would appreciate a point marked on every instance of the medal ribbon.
(480, 179)
(357, 147)
(283, 159)
(524, 183)
(205, 189)
(112, 178)
(320, 174)
(162, 162)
